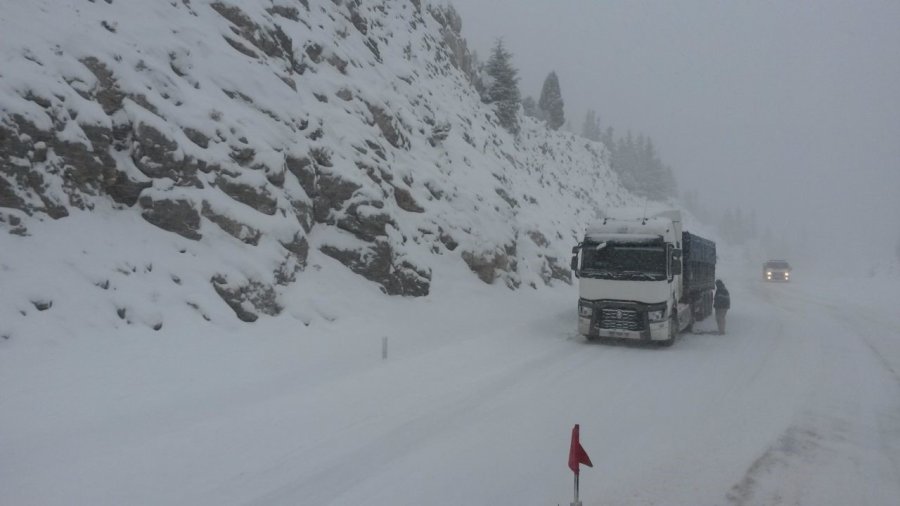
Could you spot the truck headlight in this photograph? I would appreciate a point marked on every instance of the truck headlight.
(656, 316)
(585, 311)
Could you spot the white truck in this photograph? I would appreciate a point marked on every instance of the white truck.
(642, 278)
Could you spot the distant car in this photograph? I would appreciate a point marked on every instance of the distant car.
(776, 270)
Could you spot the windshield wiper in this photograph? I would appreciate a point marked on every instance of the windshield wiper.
(596, 272)
(641, 274)
(620, 275)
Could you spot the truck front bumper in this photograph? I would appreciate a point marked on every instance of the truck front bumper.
(656, 332)
(618, 320)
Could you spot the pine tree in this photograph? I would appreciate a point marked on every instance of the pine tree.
(670, 184)
(529, 106)
(551, 102)
(591, 129)
(503, 87)
(638, 165)
(608, 138)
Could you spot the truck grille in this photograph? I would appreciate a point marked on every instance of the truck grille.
(621, 319)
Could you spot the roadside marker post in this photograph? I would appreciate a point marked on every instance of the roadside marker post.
(577, 456)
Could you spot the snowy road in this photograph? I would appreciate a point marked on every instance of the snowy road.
(843, 444)
(798, 404)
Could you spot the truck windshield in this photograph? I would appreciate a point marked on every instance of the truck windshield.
(644, 261)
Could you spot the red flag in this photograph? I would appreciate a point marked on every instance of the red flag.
(577, 455)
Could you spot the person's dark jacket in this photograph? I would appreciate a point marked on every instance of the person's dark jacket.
(722, 299)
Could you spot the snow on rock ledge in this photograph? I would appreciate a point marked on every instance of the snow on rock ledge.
(276, 134)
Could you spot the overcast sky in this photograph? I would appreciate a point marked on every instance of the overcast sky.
(788, 108)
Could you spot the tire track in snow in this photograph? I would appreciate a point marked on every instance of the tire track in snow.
(860, 320)
(842, 448)
(328, 483)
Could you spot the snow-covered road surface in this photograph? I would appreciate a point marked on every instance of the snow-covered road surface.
(798, 404)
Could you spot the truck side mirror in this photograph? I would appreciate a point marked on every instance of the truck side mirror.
(676, 262)
(574, 263)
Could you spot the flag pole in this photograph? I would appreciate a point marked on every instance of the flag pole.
(577, 456)
(577, 502)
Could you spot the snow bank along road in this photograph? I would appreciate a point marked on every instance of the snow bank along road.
(798, 404)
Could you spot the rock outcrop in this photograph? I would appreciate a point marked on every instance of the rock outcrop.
(284, 134)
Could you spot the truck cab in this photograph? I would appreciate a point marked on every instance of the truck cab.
(632, 279)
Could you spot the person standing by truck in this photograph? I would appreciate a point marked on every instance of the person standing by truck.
(721, 303)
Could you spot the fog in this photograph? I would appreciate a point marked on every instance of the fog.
(790, 110)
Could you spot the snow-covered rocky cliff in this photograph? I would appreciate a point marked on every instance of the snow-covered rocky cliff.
(222, 159)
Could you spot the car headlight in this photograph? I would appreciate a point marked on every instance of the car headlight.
(656, 316)
(585, 311)
(769, 273)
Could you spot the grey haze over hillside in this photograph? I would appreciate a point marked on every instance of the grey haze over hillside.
(790, 109)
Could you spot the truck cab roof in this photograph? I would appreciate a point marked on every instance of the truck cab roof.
(635, 225)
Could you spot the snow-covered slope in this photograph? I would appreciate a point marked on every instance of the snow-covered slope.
(159, 158)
